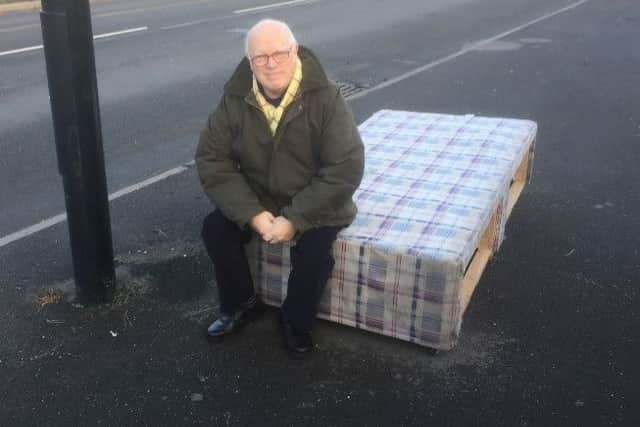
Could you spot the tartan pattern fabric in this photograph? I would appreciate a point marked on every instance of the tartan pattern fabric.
(431, 184)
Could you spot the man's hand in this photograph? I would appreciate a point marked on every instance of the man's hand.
(282, 230)
(262, 223)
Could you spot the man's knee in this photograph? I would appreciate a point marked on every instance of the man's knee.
(209, 226)
(216, 227)
(318, 241)
(314, 250)
(311, 258)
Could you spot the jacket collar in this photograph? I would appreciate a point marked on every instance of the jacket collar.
(313, 75)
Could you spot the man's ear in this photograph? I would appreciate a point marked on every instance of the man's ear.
(294, 49)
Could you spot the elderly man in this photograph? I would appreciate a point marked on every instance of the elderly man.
(280, 157)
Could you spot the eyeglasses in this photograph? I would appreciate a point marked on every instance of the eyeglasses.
(278, 57)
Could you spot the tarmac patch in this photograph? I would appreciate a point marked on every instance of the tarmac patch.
(497, 46)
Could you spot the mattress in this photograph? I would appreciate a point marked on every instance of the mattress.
(431, 185)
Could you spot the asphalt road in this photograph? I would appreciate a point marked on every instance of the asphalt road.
(550, 337)
(157, 85)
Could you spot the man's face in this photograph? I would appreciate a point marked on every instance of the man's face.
(276, 73)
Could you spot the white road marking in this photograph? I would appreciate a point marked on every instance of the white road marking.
(269, 6)
(199, 21)
(97, 37)
(21, 27)
(147, 9)
(42, 225)
(50, 222)
(147, 182)
(186, 24)
(116, 13)
(118, 33)
(468, 48)
(236, 13)
(24, 49)
(62, 217)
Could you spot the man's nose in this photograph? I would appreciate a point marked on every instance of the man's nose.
(271, 63)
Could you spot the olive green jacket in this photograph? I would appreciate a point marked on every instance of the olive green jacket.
(307, 172)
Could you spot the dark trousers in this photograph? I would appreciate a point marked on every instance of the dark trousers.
(311, 265)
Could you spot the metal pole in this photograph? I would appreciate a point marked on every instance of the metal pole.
(73, 90)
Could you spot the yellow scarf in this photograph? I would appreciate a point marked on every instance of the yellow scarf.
(274, 114)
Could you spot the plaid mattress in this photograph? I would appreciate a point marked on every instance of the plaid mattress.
(431, 184)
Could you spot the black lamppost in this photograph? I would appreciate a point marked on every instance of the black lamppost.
(73, 91)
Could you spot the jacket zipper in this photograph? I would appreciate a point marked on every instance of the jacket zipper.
(287, 116)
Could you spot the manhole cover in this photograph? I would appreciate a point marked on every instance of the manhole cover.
(349, 89)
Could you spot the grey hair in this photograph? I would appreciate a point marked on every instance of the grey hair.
(262, 23)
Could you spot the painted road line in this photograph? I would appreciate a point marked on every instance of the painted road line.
(236, 13)
(199, 21)
(148, 9)
(468, 48)
(50, 222)
(99, 36)
(269, 6)
(24, 49)
(59, 218)
(150, 181)
(187, 24)
(25, 232)
(118, 33)
(22, 27)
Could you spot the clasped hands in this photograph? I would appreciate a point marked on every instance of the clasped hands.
(272, 229)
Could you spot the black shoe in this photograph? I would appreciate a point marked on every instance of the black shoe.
(296, 342)
(229, 323)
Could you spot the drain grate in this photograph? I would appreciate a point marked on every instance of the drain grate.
(349, 89)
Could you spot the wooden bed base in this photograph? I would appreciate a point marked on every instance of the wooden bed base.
(485, 248)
